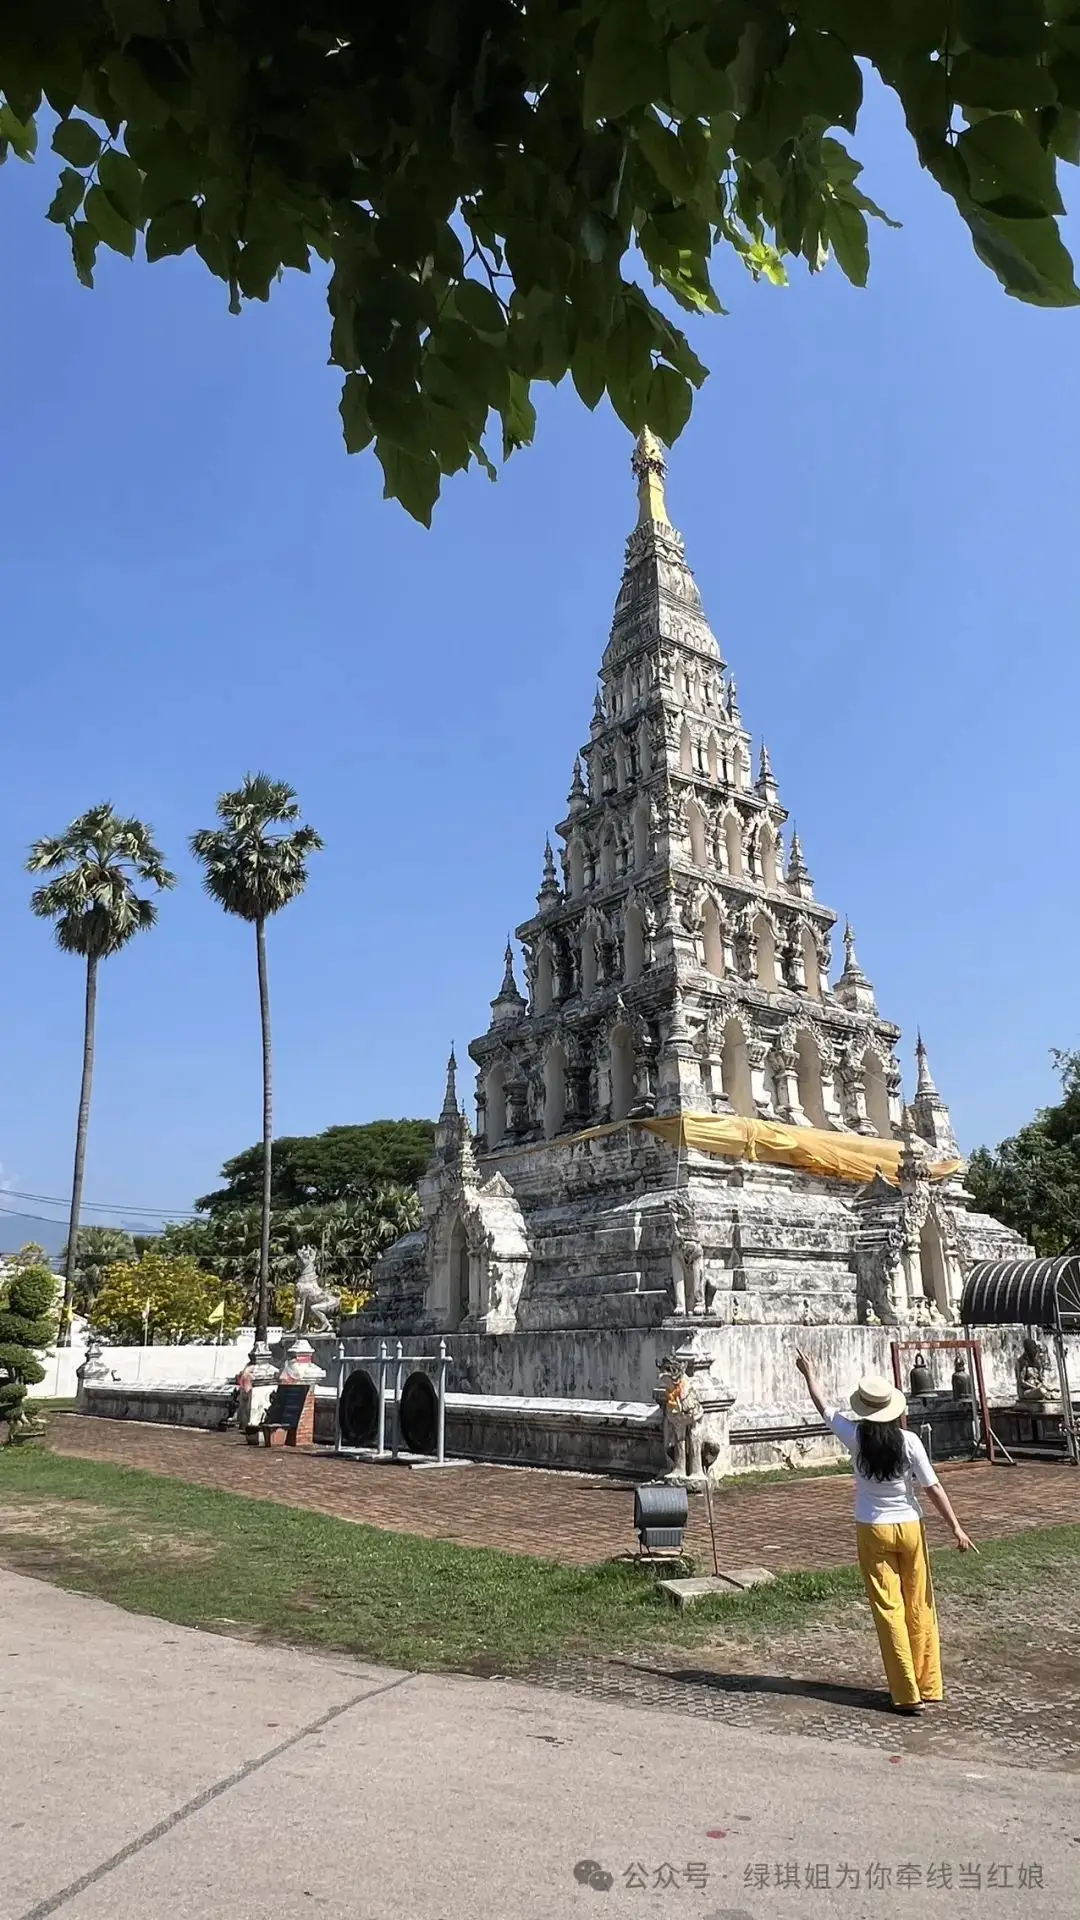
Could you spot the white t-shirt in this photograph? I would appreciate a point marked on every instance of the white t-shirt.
(886, 1503)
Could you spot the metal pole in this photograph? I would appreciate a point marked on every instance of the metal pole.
(1066, 1393)
(337, 1395)
(399, 1368)
(441, 1449)
(712, 1529)
(380, 1442)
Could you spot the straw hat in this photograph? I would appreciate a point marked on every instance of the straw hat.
(875, 1398)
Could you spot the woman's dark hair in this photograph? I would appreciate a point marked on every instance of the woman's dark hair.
(881, 1449)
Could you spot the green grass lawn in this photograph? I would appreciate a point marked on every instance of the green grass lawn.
(234, 1565)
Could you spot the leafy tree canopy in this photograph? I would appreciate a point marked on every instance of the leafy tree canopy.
(167, 1297)
(485, 178)
(347, 1234)
(338, 1164)
(96, 1248)
(1032, 1180)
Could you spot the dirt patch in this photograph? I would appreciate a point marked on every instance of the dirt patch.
(49, 1519)
(68, 1526)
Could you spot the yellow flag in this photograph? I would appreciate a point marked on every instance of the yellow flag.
(215, 1318)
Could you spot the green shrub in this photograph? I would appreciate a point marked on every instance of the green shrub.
(26, 1328)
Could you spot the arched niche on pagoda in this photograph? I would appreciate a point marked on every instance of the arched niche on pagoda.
(495, 1104)
(877, 1093)
(735, 1070)
(554, 1090)
(808, 1074)
(713, 938)
(765, 937)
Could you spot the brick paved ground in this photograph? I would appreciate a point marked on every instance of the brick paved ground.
(784, 1525)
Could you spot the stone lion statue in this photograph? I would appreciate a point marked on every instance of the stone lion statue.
(314, 1303)
(683, 1415)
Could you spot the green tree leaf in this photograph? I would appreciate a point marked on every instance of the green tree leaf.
(415, 482)
(108, 224)
(627, 61)
(588, 370)
(978, 80)
(696, 86)
(122, 181)
(668, 403)
(173, 230)
(479, 308)
(845, 231)
(84, 246)
(76, 141)
(1028, 257)
(21, 135)
(68, 197)
(823, 75)
(1002, 26)
(1008, 171)
(355, 418)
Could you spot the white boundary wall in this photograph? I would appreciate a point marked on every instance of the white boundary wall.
(188, 1366)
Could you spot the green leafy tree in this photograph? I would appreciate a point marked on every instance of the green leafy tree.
(95, 1249)
(1032, 1180)
(253, 870)
(27, 1327)
(95, 907)
(489, 183)
(165, 1297)
(338, 1164)
(348, 1236)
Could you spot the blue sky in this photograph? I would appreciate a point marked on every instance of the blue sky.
(878, 494)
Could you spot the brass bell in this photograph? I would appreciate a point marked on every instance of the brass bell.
(922, 1380)
(962, 1387)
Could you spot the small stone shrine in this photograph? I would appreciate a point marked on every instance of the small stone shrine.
(691, 1152)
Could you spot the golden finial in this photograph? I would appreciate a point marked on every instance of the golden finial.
(650, 467)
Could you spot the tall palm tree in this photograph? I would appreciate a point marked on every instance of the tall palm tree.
(253, 870)
(98, 864)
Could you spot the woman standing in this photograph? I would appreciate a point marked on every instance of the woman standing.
(889, 1462)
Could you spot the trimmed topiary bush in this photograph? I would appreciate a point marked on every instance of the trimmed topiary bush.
(26, 1328)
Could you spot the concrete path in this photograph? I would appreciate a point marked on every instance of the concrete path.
(155, 1772)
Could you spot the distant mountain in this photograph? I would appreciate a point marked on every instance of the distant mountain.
(16, 1229)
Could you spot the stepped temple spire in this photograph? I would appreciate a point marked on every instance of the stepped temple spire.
(677, 963)
(672, 963)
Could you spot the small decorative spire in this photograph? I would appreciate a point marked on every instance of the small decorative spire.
(733, 701)
(925, 1082)
(508, 1003)
(578, 799)
(450, 1100)
(650, 467)
(798, 874)
(766, 785)
(598, 714)
(853, 990)
(550, 894)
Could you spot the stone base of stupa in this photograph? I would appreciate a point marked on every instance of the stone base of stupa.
(552, 1273)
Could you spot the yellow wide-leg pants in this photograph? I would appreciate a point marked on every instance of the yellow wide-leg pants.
(896, 1568)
